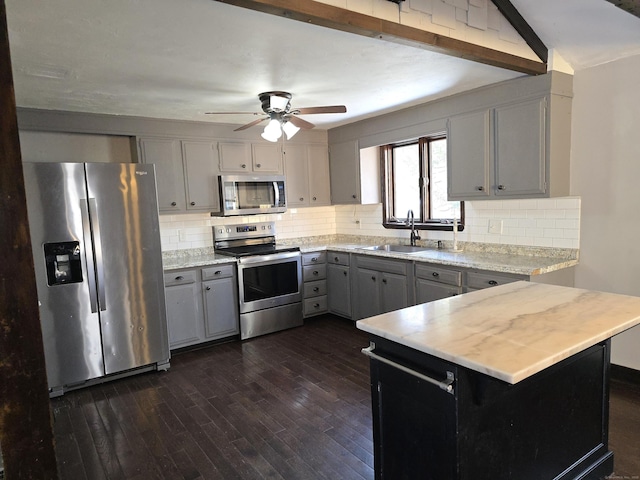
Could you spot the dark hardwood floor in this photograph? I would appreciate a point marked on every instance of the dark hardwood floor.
(291, 405)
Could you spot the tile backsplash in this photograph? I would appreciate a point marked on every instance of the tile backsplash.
(533, 222)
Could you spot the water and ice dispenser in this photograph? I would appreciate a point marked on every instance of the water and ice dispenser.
(63, 263)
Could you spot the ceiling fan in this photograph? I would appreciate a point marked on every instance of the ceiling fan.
(276, 107)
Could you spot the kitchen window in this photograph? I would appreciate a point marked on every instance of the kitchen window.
(414, 177)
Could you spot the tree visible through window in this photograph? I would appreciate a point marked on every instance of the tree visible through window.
(415, 178)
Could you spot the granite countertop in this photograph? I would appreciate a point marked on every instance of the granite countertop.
(520, 261)
(535, 263)
(511, 331)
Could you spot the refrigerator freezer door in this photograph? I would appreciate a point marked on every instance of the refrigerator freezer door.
(56, 201)
(126, 232)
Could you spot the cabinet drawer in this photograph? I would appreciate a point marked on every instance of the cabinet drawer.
(314, 272)
(312, 306)
(314, 258)
(180, 278)
(338, 258)
(478, 280)
(218, 271)
(389, 266)
(314, 289)
(440, 275)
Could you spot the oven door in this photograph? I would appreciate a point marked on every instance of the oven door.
(267, 281)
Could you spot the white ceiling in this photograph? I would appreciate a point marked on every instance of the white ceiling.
(179, 59)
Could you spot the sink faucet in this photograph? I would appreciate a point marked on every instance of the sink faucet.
(414, 234)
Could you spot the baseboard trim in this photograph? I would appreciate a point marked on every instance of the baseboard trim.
(625, 374)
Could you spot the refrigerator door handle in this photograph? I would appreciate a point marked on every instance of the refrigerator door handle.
(88, 256)
(97, 242)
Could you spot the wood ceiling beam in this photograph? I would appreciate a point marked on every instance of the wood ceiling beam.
(316, 13)
(631, 6)
(523, 28)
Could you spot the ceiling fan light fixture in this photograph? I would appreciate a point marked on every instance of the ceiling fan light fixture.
(278, 104)
(272, 132)
(290, 129)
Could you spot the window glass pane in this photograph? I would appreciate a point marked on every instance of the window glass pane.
(406, 178)
(440, 207)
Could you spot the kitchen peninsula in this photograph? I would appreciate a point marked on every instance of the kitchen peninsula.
(510, 382)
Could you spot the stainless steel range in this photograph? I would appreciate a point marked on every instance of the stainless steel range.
(269, 277)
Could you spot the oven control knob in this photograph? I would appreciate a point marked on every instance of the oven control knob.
(228, 230)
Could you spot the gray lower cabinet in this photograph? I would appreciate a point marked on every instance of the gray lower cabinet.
(381, 285)
(314, 277)
(184, 307)
(220, 294)
(477, 280)
(202, 304)
(339, 284)
(435, 282)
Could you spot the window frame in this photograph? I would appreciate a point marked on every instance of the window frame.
(387, 181)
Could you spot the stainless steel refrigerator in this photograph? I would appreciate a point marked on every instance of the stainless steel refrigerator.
(98, 262)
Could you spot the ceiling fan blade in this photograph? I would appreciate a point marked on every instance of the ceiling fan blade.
(234, 113)
(300, 123)
(251, 124)
(326, 109)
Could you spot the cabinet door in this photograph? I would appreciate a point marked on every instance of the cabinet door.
(339, 290)
(427, 291)
(184, 317)
(235, 157)
(201, 173)
(297, 174)
(319, 178)
(367, 300)
(394, 292)
(221, 308)
(267, 158)
(519, 149)
(468, 156)
(344, 166)
(164, 153)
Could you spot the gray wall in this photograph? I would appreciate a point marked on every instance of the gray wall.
(605, 172)
(74, 147)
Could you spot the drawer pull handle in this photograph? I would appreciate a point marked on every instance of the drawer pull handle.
(501, 187)
(244, 165)
(314, 259)
(316, 289)
(179, 277)
(316, 305)
(344, 273)
(373, 278)
(446, 385)
(492, 282)
(315, 272)
(173, 204)
(192, 204)
(258, 165)
(480, 188)
(208, 288)
(218, 272)
(384, 280)
(435, 274)
(314, 199)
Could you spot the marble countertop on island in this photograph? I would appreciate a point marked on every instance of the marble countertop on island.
(511, 331)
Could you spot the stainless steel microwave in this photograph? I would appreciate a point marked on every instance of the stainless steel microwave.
(251, 195)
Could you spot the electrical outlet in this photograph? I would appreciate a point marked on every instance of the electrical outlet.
(495, 226)
(182, 235)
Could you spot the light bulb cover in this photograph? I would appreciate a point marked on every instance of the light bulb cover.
(290, 129)
(272, 132)
(278, 103)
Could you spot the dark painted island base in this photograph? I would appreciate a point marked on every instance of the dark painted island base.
(552, 425)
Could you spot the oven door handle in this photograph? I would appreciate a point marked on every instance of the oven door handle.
(274, 257)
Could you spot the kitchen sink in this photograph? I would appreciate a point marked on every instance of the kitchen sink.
(396, 248)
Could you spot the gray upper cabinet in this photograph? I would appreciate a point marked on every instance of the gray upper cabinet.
(519, 149)
(243, 157)
(307, 170)
(165, 154)
(515, 150)
(344, 163)
(468, 156)
(200, 161)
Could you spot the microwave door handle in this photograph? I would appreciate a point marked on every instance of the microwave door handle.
(93, 211)
(276, 194)
(88, 256)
